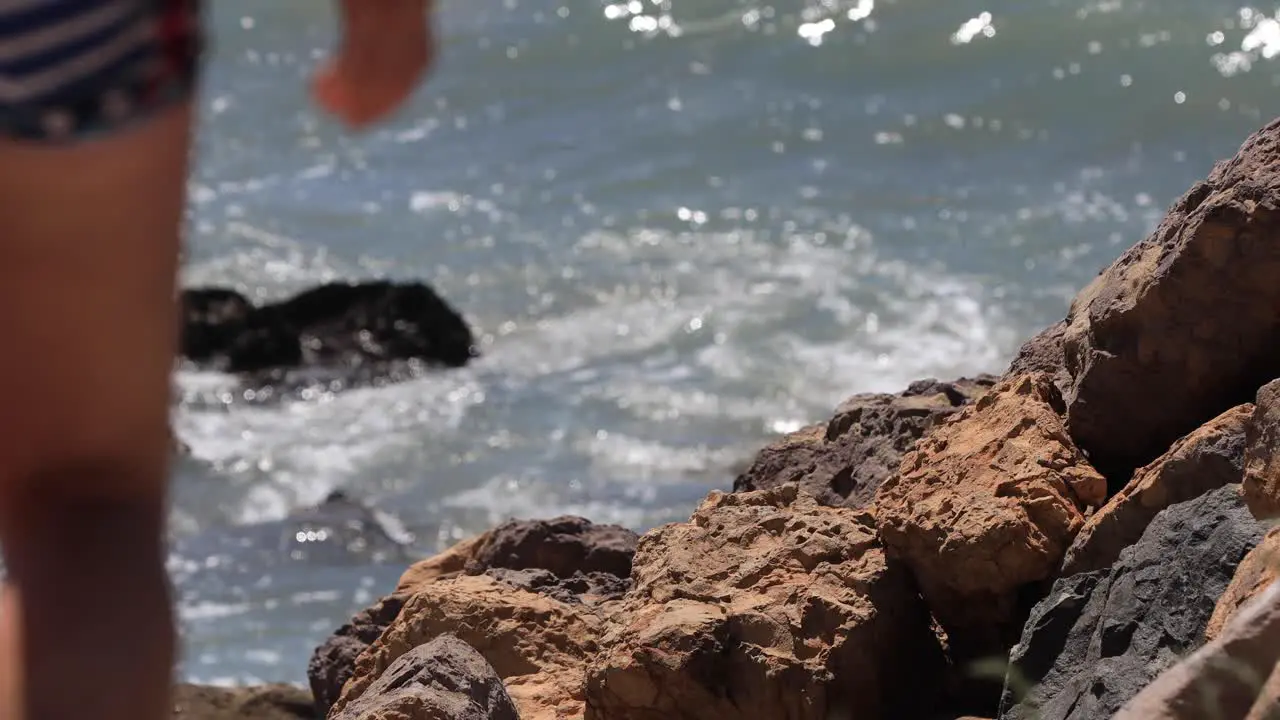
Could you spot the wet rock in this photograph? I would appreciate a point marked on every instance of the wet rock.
(338, 531)
(343, 327)
(766, 605)
(537, 644)
(1259, 569)
(843, 461)
(212, 319)
(985, 505)
(1234, 677)
(1184, 325)
(1208, 458)
(1100, 637)
(444, 679)
(266, 702)
(1261, 485)
(568, 559)
(333, 662)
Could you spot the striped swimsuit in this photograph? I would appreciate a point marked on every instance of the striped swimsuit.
(72, 69)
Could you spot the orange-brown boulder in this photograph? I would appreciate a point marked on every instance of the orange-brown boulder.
(1183, 326)
(539, 645)
(986, 504)
(1261, 485)
(766, 605)
(569, 560)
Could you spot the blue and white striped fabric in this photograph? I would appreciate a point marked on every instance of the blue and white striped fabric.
(74, 67)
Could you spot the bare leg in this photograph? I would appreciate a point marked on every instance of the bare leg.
(89, 239)
(387, 46)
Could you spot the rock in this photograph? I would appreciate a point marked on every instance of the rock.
(766, 605)
(563, 546)
(340, 530)
(567, 559)
(1261, 485)
(266, 702)
(1260, 568)
(590, 588)
(445, 679)
(1233, 677)
(333, 662)
(1208, 458)
(537, 644)
(1184, 325)
(843, 461)
(986, 504)
(1044, 354)
(1100, 637)
(212, 319)
(333, 326)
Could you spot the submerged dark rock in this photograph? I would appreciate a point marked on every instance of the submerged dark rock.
(354, 331)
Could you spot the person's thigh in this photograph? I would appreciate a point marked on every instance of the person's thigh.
(95, 126)
(89, 241)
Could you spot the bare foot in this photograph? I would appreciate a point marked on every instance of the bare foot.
(387, 46)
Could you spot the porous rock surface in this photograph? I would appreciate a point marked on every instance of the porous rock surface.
(841, 462)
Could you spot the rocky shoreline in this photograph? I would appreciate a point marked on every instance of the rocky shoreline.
(1082, 537)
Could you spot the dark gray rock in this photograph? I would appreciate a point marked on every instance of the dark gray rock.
(580, 587)
(336, 332)
(1100, 637)
(445, 679)
(562, 546)
(333, 662)
(842, 462)
(1044, 353)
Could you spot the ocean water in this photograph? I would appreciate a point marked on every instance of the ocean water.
(680, 227)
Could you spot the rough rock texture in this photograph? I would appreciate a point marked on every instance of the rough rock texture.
(1044, 354)
(336, 325)
(1259, 569)
(1208, 458)
(266, 702)
(538, 645)
(445, 679)
(1100, 637)
(1234, 677)
(568, 559)
(1261, 485)
(1184, 325)
(563, 546)
(986, 504)
(843, 461)
(766, 605)
(333, 662)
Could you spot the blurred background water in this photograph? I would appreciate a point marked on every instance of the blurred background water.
(680, 227)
